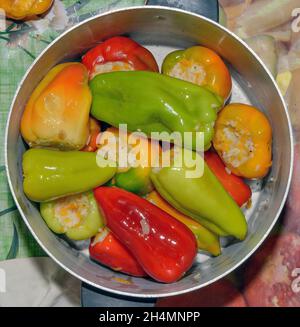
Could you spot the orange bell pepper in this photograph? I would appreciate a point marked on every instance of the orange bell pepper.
(243, 139)
(206, 240)
(23, 9)
(201, 66)
(57, 113)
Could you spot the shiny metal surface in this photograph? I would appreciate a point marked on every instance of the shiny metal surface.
(161, 30)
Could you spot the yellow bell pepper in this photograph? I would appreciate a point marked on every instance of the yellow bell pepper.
(243, 139)
(23, 9)
(57, 113)
(206, 240)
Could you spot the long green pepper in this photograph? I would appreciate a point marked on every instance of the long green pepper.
(51, 174)
(203, 199)
(151, 102)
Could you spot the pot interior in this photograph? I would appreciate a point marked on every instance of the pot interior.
(161, 30)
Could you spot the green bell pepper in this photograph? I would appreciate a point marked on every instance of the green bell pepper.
(77, 216)
(151, 102)
(203, 199)
(51, 174)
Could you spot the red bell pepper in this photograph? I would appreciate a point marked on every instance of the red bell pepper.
(106, 249)
(123, 54)
(234, 185)
(163, 246)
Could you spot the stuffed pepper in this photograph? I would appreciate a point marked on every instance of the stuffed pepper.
(76, 216)
(134, 174)
(201, 66)
(57, 113)
(118, 53)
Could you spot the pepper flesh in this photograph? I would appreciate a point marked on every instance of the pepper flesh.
(234, 185)
(57, 113)
(201, 66)
(106, 249)
(203, 199)
(177, 105)
(243, 139)
(94, 128)
(206, 240)
(162, 245)
(23, 9)
(118, 53)
(51, 174)
(77, 216)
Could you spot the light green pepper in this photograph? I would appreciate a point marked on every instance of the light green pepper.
(51, 174)
(203, 199)
(151, 102)
(77, 216)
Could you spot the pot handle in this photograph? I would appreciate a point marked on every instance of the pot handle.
(207, 8)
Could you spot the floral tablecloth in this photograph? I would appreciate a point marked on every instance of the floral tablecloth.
(271, 27)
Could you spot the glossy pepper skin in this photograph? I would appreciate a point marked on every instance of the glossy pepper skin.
(203, 199)
(135, 177)
(57, 112)
(77, 216)
(162, 245)
(201, 66)
(106, 249)
(51, 174)
(234, 185)
(243, 139)
(206, 240)
(177, 105)
(118, 53)
(23, 9)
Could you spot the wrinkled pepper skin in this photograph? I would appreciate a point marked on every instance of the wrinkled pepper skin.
(132, 178)
(206, 240)
(201, 66)
(243, 140)
(118, 53)
(162, 245)
(57, 113)
(106, 249)
(24, 9)
(51, 174)
(76, 216)
(94, 129)
(177, 105)
(234, 185)
(203, 199)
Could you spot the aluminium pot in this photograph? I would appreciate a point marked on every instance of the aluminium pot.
(161, 29)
